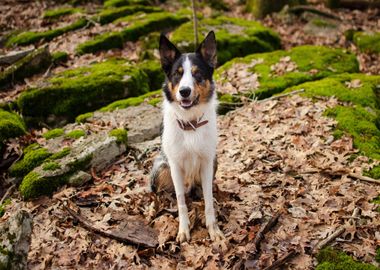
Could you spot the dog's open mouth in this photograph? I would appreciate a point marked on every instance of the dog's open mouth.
(187, 103)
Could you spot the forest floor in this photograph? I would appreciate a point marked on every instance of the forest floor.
(276, 156)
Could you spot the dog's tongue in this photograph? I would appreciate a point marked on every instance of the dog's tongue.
(186, 103)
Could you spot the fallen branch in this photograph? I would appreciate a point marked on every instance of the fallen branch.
(195, 24)
(263, 230)
(341, 173)
(364, 178)
(302, 8)
(7, 193)
(283, 259)
(339, 231)
(13, 57)
(282, 95)
(137, 234)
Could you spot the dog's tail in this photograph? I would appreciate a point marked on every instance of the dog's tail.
(160, 177)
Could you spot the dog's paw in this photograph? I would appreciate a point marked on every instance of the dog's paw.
(215, 233)
(183, 235)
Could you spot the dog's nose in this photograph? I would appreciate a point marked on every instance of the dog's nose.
(185, 92)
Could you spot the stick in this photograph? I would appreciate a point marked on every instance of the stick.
(195, 23)
(13, 57)
(7, 193)
(282, 95)
(301, 8)
(263, 230)
(364, 178)
(280, 261)
(340, 230)
(144, 239)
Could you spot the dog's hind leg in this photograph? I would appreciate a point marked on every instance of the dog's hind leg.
(207, 176)
(160, 177)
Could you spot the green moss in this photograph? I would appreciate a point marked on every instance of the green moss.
(64, 152)
(111, 14)
(235, 37)
(377, 258)
(330, 259)
(52, 14)
(60, 57)
(154, 101)
(155, 74)
(3, 205)
(367, 42)
(313, 62)
(80, 90)
(76, 134)
(260, 8)
(227, 103)
(120, 134)
(80, 163)
(374, 172)
(31, 160)
(82, 118)
(54, 133)
(33, 63)
(125, 103)
(50, 166)
(11, 125)
(139, 24)
(323, 23)
(27, 38)
(121, 3)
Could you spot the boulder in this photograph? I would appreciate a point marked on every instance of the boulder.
(15, 234)
(11, 125)
(367, 41)
(235, 37)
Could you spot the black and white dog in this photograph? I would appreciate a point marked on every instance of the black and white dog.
(189, 136)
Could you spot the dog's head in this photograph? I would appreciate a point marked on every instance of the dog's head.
(188, 76)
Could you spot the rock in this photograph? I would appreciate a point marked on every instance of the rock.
(14, 56)
(15, 236)
(78, 179)
(367, 42)
(29, 65)
(96, 151)
(112, 14)
(261, 8)
(235, 37)
(83, 89)
(139, 24)
(143, 122)
(266, 74)
(11, 125)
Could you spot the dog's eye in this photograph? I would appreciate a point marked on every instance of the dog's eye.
(179, 72)
(198, 76)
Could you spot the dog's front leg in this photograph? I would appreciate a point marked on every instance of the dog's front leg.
(207, 174)
(183, 230)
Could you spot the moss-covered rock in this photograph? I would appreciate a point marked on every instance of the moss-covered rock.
(26, 38)
(95, 151)
(267, 74)
(35, 62)
(80, 90)
(154, 71)
(330, 259)
(112, 14)
(83, 117)
(11, 125)
(134, 101)
(31, 160)
(138, 25)
(359, 117)
(75, 134)
(121, 3)
(367, 42)
(60, 57)
(235, 37)
(54, 133)
(53, 14)
(120, 134)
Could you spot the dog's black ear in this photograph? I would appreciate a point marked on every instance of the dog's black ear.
(207, 49)
(168, 53)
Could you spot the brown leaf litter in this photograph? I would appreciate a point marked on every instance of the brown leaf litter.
(271, 156)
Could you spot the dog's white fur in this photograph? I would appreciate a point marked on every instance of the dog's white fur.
(191, 154)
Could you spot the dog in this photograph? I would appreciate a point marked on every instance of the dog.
(189, 137)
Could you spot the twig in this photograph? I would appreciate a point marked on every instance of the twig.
(195, 23)
(364, 178)
(282, 95)
(280, 261)
(263, 230)
(339, 231)
(7, 193)
(145, 239)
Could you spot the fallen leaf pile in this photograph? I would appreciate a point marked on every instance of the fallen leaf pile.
(239, 78)
(285, 65)
(272, 156)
